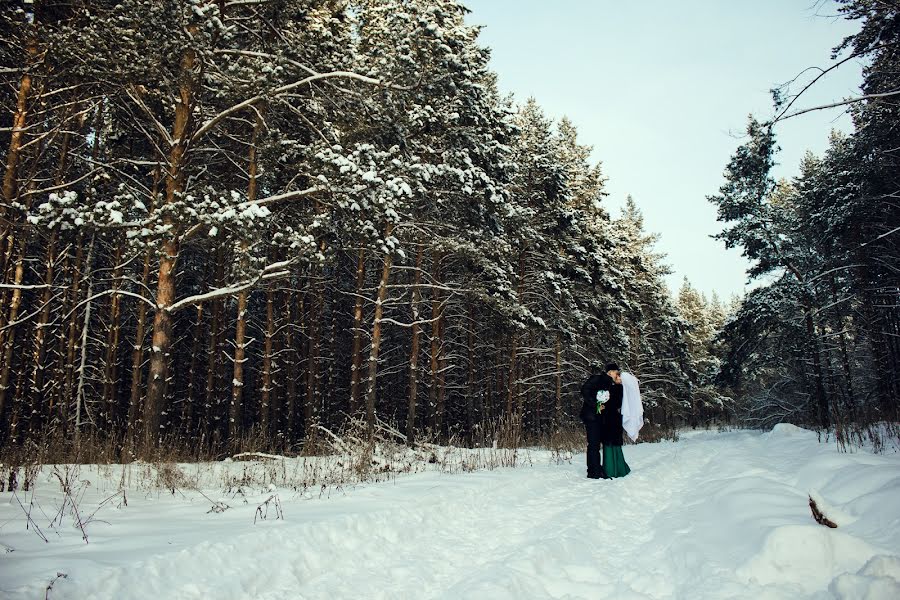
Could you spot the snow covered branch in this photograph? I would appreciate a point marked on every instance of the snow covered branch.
(274, 271)
(281, 197)
(411, 324)
(9, 286)
(109, 293)
(206, 127)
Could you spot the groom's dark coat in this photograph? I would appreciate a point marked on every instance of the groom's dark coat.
(589, 390)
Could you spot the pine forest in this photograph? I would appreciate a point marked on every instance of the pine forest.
(233, 225)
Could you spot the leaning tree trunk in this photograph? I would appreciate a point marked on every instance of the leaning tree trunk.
(10, 327)
(13, 155)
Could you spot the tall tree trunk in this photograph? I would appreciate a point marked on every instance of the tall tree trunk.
(436, 342)
(821, 397)
(511, 379)
(235, 410)
(313, 328)
(280, 333)
(111, 417)
(165, 289)
(636, 350)
(265, 406)
(137, 365)
(212, 410)
(80, 399)
(512, 384)
(292, 360)
(37, 397)
(470, 379)
(500, 389)
(441, 423)
(10, 329)
(161, 344)
(188, 408)
(356, 352)
(848, 392)
(558, 412)
(17, 243)
(414, 349)
(315, 313)
(303, 359)
(36, 381)
(67, 389)
(372, 383)
(235, 424)
(13, 155)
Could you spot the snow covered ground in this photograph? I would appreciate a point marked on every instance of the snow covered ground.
(714, 515)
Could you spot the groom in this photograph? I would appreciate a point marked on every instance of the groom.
(591, 408)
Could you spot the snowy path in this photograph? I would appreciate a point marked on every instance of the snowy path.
(712, 516)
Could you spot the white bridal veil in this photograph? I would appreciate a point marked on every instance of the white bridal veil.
(632, 409)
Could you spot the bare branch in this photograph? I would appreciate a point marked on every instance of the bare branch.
(135, 96)
(883, 235)
(283, 90)
(836, 104)
(63, 186)
(820, 76)
(107, 293)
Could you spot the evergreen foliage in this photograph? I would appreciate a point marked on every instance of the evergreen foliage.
(228, 224)
(819, 342)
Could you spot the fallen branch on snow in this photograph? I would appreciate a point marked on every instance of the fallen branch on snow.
(256, 456)
(817, 514)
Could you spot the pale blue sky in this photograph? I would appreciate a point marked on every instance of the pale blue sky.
(660, 88)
